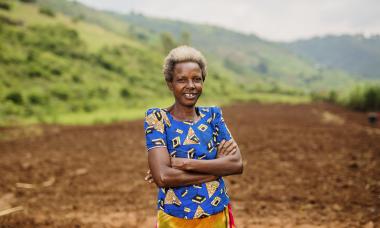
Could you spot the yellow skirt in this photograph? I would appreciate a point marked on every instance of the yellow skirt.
(223, 219)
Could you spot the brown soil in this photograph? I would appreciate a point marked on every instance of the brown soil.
(305, 166)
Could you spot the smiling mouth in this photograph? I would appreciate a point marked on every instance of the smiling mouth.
(190, 95)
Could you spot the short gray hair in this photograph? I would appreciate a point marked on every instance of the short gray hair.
(183, 54)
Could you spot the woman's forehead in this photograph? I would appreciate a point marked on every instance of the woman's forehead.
(186, 66)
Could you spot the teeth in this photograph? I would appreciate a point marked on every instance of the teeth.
(189, 95)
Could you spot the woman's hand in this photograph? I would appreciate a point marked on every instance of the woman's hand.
(149, 177)
(226, 148)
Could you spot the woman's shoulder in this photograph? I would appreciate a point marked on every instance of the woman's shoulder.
(153, 115)
(212, 110)
(209, 108)
(156, 111)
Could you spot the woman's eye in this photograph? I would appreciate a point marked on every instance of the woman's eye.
(198, 79)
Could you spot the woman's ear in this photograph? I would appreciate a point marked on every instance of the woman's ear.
(170, 85)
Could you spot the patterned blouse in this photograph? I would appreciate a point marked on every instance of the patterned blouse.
(196, 140)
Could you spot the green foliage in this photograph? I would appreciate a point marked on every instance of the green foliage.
(364, 98)
(28, 1)
(353, 53)
(47, 11)
(331, 96)
(185, 38)
(15, 97)
(78, 18)
(168, 42)
(5, 5)
(48, 73)
(125, 93)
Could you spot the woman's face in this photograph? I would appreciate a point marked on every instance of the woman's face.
(187, 83)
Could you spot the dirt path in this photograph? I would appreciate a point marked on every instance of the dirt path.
(305, 165)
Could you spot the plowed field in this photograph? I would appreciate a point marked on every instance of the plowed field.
(311, 165)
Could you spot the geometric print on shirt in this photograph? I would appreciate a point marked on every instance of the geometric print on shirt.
(197, 140)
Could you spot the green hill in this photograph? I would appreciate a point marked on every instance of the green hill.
(55, 68)
(246, 58)
(64, 62)
(353, 53)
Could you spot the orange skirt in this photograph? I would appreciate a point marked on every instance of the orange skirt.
(223, 219)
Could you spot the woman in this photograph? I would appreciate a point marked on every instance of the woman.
(189, 150)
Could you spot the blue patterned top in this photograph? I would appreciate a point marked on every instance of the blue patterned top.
(197, 140)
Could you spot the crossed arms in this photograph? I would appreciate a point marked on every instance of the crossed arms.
(166, 171)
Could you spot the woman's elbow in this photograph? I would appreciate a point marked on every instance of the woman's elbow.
(238, 164)
(240, 167)
(164, 180)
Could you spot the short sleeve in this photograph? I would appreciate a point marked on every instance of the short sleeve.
(221, 129)
(154, 126)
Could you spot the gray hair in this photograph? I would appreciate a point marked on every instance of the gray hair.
(183, 54)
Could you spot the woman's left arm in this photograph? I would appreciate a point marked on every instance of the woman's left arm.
(228, 161)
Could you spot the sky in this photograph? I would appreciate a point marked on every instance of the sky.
(276, 20)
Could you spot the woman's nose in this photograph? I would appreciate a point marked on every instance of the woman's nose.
(190, 84)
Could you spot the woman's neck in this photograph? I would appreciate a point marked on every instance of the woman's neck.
(183, 113)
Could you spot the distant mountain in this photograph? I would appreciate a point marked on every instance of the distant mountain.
(357, 54)
(246, 58)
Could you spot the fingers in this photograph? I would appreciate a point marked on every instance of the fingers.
(149, 177)
(228, 146)
(231, 145)
(234, 150)
(220, 146)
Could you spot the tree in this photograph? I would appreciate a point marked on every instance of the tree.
(185, 38)
(168, 42)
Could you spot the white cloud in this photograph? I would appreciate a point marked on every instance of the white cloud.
(271, 19)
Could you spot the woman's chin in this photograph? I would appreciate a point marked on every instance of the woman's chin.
(188, 102)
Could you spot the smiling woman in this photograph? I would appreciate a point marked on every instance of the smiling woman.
(190, 149)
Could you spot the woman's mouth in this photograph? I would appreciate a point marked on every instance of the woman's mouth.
(190, 95)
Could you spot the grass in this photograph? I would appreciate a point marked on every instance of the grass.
(116, 114)
(270, 98)
(95, 36)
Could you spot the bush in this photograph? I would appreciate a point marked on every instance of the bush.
(15, 97)
(76, 79)
(78, 18)
(125, 93)
(365, 98)
(5, 5)
(89, 107)
(47, 12)
(60, 94)
(35, 71)
(37, 99)
(28, 1)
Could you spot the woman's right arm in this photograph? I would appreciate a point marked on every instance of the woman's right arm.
(166, 176)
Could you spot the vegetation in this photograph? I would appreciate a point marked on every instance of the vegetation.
(246, 58)
(5, 5)
(357, 54)
(364, 98)
(97, 67)
(47, 11)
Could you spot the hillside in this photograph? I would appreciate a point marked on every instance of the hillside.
(63, 62)
(246, 58)
(357, 54)
(55, 68)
